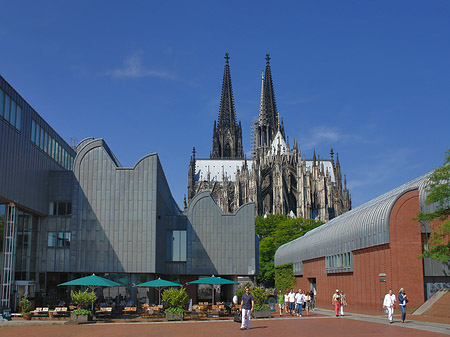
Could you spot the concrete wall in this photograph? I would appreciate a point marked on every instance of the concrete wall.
(221, 244)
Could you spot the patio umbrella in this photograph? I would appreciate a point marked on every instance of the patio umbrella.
(159, 284)
(213, 280)
(93, 281)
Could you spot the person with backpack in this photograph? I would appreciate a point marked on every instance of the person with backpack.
(402, 300)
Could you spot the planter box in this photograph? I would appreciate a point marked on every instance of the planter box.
(262, 314)
(80, 318)
(173, 317)
(28, 317)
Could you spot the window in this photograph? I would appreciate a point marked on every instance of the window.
(7, 107)
(339, 263)
(176, 245)
(2, 103)
(58, 239)
(49, 145)
(60, 208)
(10, 110)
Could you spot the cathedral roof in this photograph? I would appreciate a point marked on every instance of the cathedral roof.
(216, 168)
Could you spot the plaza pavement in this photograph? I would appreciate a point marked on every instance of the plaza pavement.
(322, 322)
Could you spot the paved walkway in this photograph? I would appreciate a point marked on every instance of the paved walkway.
(321, 323)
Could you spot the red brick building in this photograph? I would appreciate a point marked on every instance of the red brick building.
(368, 250)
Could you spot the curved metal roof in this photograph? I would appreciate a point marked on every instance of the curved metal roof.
(362, 227)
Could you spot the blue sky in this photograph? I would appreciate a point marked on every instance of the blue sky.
(369, 78)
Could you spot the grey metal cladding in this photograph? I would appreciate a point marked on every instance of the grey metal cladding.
(362, 227)
(220, 243)
(117, 206)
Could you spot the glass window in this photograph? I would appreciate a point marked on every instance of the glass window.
(18, 117)
(61, 208)
(2, 102)
(58, 239)
(45, 141)
(33, 131)
(41, 141)
(53, 148)
(52, 239)
(12, 116)
(69, 208)
(7, 107)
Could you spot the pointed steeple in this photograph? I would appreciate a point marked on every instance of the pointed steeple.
(270, 107)
(227, 134)
(227, 114)
(268, 123)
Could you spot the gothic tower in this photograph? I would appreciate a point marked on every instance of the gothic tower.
(268, 124)
(227, 134)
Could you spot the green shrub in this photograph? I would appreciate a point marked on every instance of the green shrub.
(25, 304)
(83, 298)
(176, 311)
(82, 312)
(175, 298)
(259, 307)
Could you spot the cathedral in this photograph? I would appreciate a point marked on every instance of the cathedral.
(278, 179)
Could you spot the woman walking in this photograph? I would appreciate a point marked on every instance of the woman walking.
(307, 302)
(336, 301)
(402, 300)
(343, 302)
(389, 304)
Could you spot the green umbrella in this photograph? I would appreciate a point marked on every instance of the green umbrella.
(213, 280)
(159, 284)
(93, 281)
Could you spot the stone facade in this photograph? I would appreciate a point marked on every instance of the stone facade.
(277, 178)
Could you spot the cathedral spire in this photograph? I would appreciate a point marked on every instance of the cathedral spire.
(227, 114)
(269, 113)
(268, 123)
(227, 134)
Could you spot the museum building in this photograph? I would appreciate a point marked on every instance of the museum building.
(68, 212)
(369, 250)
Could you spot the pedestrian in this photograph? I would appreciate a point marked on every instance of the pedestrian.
(292, 302)
(313, 300)
(336, 301)
(307, 302)
(343, 302)
(299, 298)
(286, 301)
(280, 302)
(389, 304)
(247, 304)
(402, 300)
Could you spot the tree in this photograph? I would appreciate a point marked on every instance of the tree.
(438, 189)
(273, 231)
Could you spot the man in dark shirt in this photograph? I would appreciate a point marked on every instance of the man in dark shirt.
(247, 304)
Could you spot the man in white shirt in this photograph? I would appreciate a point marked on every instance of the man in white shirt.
(291, 302)
(389, 304)
(299, 298)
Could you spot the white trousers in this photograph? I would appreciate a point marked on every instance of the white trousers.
(390, 313)
(246, 314)
(342, 310)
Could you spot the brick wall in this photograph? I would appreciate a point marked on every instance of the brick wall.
(398, 260)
